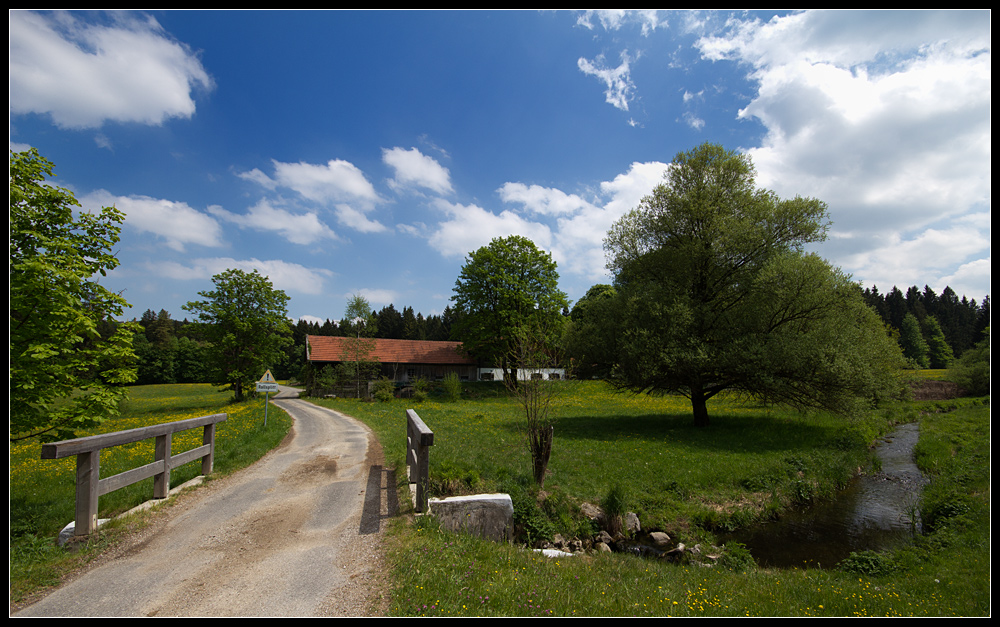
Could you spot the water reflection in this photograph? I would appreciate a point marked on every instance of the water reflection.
(875, 512)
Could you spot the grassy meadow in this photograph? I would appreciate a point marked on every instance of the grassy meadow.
(42, 491)
(749, 465)
(752, 463)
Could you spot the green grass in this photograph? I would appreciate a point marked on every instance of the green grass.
(749, 464)
(42, 492)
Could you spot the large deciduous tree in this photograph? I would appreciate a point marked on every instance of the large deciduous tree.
(504, 288)
(64, 374)
(716, 293)
(245, 320)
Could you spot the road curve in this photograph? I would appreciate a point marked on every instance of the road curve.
(296, 534)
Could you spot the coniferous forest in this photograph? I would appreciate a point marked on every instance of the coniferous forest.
(934, 329)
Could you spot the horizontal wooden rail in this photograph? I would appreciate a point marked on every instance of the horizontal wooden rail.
(90, 486)
(418, 440)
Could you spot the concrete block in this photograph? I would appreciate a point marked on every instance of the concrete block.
(486, 515)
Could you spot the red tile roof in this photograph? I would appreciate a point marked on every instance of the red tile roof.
(327, 348)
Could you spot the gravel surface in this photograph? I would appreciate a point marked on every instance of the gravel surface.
(297, 534)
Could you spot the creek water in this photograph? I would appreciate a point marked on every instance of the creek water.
(877, 511)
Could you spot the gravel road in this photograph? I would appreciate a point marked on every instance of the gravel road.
(296, 534)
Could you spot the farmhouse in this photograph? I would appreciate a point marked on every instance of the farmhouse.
(402, 361)
(405, 361)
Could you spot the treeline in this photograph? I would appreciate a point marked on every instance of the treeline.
(933, 329)
(391, 324)
(175, 351)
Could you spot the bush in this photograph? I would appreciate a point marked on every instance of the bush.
(452, 387)
(385, 390)
(972, 371)
(737, 557)
(870, 563)
(420, 389)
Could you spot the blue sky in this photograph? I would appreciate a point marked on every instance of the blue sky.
(343, 152)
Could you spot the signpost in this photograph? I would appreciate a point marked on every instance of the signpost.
(266, 385)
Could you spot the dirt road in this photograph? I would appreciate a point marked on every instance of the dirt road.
(297, 534)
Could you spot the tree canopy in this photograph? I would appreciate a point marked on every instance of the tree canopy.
(588, 339)
(503, 288)
(715, 292)
(64, 373)
(245, 320)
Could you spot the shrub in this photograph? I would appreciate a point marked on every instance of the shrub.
(385, 390)
(870, 563)
(972, 371)
(452, 387)
(737, 557)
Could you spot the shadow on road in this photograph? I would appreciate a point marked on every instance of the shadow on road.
(380, 480)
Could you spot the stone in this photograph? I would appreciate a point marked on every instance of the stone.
(658, 538)
(485, 515)
(632, 523)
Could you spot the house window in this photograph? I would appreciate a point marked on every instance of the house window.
(486, 376)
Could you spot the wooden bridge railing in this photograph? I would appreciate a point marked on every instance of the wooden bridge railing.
(90, 486)
(419, 439)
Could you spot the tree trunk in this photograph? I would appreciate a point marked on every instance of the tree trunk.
(699, 403)
(541, 450)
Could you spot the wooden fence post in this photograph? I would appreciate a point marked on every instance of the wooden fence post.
(418, 439)
(88, 472)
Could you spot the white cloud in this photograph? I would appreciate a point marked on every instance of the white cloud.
(175, 222)
(84, 74)
(414, 168)
(614, 19)
(301, 229)
(883, 115)
(285, 276)
(617, 80)
(570, 227)
(542, 200)
(469, 227)
(337, 181)
(338, 185)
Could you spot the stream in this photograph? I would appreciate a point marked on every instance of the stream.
(875, 512)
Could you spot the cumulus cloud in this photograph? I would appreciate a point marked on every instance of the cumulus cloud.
(82, 74)
(415, 169)
(337, 185)
(285, 276)
(304, 229)
(177, 223)
(469, 227)
(618, 80)
(569, 226)
(542, 200)
(883, 115)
